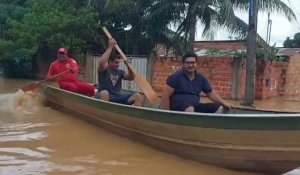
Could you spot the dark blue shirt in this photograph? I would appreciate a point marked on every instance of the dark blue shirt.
(111, 80)
(187, 92)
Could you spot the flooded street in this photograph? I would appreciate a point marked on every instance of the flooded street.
(54, 143)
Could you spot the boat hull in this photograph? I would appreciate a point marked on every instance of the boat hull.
(256, 142)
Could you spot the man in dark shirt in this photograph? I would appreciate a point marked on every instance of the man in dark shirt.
(110, 79)
(183, 88)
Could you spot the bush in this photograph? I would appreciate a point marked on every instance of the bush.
(17, 67)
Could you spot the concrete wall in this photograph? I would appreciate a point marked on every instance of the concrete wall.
(292, 79)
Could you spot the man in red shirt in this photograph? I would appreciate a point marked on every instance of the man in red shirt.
(69, 80)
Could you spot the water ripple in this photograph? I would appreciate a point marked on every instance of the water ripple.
(23, 151)
(21, 126)
(87, 159)
(12, 133)
(24, 137)
(41, 167)
(115, 163)
(21, 131)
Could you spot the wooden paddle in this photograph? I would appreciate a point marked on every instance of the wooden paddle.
(140, 80)
(33, 85)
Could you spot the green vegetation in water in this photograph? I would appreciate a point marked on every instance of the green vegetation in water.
(32, 30)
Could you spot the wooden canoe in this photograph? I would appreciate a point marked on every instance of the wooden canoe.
(259, 141)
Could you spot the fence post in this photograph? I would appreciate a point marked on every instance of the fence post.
(236, 78)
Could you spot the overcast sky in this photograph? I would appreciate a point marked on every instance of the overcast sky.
(281, 27)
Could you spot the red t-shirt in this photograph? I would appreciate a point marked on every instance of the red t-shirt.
(59, 66)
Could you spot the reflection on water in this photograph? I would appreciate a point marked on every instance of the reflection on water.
(16, 132)
(24, 148)
(24, 152)
(50, 142)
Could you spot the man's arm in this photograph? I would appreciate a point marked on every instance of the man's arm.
(104, 58)
(72, 65)
(50, 71)
(129, 75)
(213, 96)
(165, 100)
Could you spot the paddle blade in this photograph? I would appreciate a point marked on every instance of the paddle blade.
(30, 86)
(146, 89)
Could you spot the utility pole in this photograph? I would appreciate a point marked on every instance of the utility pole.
(269, 27)
(251, 56)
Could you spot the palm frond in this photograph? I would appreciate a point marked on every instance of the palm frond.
(277, 6)
(273, 6)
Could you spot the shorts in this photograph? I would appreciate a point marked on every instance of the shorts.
(206, 107)
(118, 98)
(200, 107)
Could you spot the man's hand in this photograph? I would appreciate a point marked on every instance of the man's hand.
(68, 66)
(112, 42)
(227, 105)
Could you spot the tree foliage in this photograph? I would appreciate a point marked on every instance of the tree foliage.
(212, 14)
(53, 23)
(32, 30)
(45, 26)
(292, 43)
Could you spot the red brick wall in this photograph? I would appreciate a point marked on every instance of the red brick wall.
(222, 45)
(273, 78)
(269, 76)
(270, 79)
(218, 70)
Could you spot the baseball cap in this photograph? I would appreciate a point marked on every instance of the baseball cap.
(62, 50)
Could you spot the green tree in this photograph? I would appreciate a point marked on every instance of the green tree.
(292, 43)
(47, 25)
(13, 9)
(55, 23)
(117, 15)
(213, 14)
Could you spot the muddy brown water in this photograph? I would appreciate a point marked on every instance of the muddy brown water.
(49, 142)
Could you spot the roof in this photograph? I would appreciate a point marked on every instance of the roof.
(288, 51)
